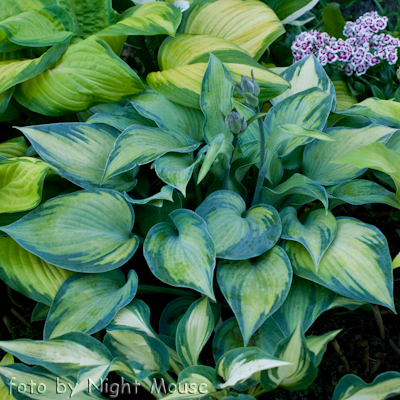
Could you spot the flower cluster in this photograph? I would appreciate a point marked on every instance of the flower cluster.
(363, 48)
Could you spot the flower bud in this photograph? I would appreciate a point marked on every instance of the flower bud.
(247, 85)
(235, 123)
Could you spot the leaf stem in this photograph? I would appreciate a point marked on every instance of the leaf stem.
(229, 163)
(261, 174)
(149, 289)
(174, 366)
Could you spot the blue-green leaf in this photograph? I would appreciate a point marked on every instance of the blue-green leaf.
(156, 200)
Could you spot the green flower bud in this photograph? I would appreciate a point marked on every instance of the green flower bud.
(246, 85)
(235, 123)
(250, 99)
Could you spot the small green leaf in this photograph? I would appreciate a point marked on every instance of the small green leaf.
(333, 20)
(318, 344)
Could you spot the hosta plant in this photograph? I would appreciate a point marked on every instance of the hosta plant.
(230, 208)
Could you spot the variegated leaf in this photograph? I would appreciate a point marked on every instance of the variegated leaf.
(318, 344)
(157, 200)
(15, 147)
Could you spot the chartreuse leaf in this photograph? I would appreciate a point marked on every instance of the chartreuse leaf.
(14, 7)
(77, 231)
(4, 391)
(380, 112)
(296, 184)
(357, 264)
(237, 365)
(316, 234)
(375, 156)
(140, 145)
(13, 72)
(193, 331)
(138, 349)
(186, 121)
(318, 344)
(305, 74)
(39, 28)
(156, 200)
(148, 19)
(288, 10)
(21, 183)
(352, 387)
(361, 191)
(250, 24)
(89, 72)
(343, 97)
(318, 155)
(302, 371)
(46, 385)
(78, 152)
(176, 169)
(28, 274)
(237, 234)
(216, 99)
(88, 302)
(255, 288)
(15, 147)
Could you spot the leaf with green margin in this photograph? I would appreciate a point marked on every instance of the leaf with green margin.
(166, 114)
(28, 274)
(5, 99)
(375, 156)
(250, 24)
(344, 100)
(89, 72)
(23, 374)
(40, 312)
(252, 132)
(90, 16)
(305, 74)
(157, 200)
(15, 147)
(79, 152)
(317, 158)
(255, 288)
(88, 302)
(315, 234)
(216, 99)
(318, 344)
(176, 170)
(380, 112)
(154, 18)
(21, 183)
(77, 231)
(289, 10)
(302, 371)
(139, 348)
(4, 390)
(139, 145)
(182, 254)
(193, 331)
(361, 191)
(237, 234)
(237, 365)
(13, 72)
(107, 108)
(14, 7)
(356, 265)
(39, 28)
(296, 184)
(333, 20)
(120, 119)
(352, 387)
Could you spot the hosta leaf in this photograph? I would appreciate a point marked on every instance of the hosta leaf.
(78, 152)
(88, 302)
(255, 288)
(375, 156)
(315, 234)
(305, 74)
(156, 200)
(302, 371)
(139, 348)
(21, 183)
(28, 274)
(361, 191)
(14, 7)
(88, 73)
(357, 264)
(5, 99)
(77, 231)
(288, 10)
(182, 254)
(343, 97)
(39, 28)
(237, 234)
(318, 344)
(296, 184)
(193, 331)
(4, 390)
(154, 18)
(15, 147)
(171, 116)
(176, 170)
(140, 145)
(250, 24)
(352, 387)
(237, 365)
(240, 397)
(318, 155)
(40, 312)
(380, 112)
(13, 72)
